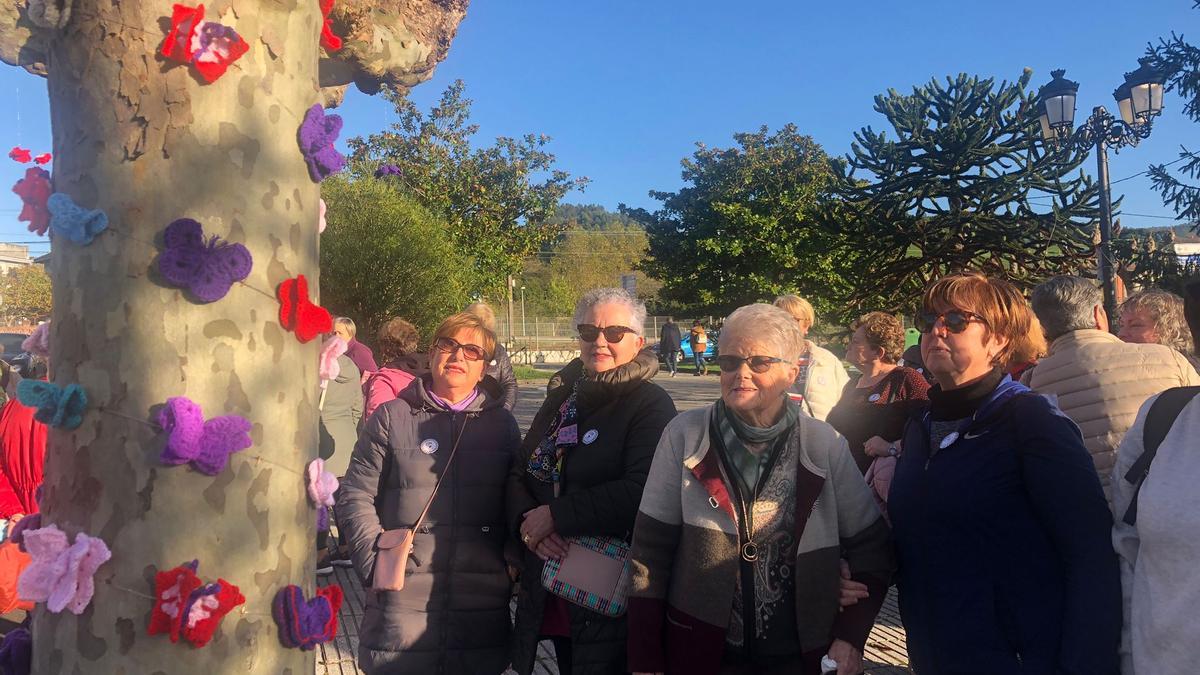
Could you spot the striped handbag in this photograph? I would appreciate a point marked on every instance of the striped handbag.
(594, 574)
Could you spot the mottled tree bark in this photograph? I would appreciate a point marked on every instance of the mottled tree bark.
(148, 142)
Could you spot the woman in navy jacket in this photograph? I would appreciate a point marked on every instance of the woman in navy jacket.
(1001, 527)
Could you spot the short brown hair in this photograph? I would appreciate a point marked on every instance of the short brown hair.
(883, 331)
(396, 338)
(799, 308)
(1006, 312)
(456, 322)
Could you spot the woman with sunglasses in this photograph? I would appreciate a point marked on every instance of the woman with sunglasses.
(447, 431)
(1002, 530)
(749, 506)
(582, 468)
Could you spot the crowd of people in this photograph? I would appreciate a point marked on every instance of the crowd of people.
(999, 477)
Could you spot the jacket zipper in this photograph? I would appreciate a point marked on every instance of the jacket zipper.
(453, 534)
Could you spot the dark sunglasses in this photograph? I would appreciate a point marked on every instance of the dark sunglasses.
(590, 333)
(758, 364)
(470, 352)
(956, 320)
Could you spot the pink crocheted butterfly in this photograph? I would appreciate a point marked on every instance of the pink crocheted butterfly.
(61, 575)
(207, 269)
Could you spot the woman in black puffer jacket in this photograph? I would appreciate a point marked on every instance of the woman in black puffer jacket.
(581, 472)
(452, 616)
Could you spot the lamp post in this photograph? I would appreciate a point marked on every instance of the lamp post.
(1139, 100)
(523, 333)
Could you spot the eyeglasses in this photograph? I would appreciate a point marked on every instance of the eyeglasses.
(450, 345)
(758, 364)
(590, 333)
(955, 321)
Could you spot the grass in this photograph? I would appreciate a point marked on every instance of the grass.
(530, 373)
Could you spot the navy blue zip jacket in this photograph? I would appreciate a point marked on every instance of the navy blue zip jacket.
(1003, 540)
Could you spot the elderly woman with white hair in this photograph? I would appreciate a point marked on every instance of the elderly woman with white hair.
(579, 478)
(749, 506)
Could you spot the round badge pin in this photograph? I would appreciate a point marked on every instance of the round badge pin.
(873, 398)
(429, 446)
(948, 440)
(590, 436)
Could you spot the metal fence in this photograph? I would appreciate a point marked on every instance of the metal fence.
(552, 339)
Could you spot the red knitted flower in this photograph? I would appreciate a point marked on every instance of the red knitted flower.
(298, 314)
(329, 40)
(184, 606)
(172, 588)
(209, 46)
(19, 154)
(34, 190)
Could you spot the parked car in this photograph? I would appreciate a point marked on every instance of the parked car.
(11, 343)
(685, 350)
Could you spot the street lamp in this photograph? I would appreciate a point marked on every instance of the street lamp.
(1139, 100)
(523, 333)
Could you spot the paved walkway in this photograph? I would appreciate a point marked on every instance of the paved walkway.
(885, 651)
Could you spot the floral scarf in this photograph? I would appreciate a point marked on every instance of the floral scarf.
(545, 463)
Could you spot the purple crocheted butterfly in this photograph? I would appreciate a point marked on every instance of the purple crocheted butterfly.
(207, 269)
(317, 134)
(205, 445)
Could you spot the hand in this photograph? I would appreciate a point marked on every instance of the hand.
(536, 525)
(553, 546)
(849, 659)
(876, 447)
(851, 591)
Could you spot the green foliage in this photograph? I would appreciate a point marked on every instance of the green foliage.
(747, 227)
(1147, 259)
(958, 188)
(496, 201)
(25, 292)
(384, 255)
(1180, 62)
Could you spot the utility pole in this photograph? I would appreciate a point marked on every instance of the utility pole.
(510, 309)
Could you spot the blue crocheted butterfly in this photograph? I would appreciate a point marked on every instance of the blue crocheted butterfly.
(74, 222)
(57, 406)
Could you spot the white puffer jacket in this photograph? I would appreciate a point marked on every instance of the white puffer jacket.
(1100, 382)
(827, 378)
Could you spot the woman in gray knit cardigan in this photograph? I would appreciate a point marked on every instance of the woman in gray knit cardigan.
(748, 507)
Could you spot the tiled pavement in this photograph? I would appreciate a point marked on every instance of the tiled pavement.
(885, 652)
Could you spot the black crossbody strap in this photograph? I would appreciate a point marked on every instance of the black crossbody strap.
(438, 484)
(1159, 420)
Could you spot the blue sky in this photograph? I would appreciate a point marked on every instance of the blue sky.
(627, 88)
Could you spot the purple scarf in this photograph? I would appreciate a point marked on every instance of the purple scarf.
(453, 407)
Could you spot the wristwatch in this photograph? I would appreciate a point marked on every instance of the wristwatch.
(893, 450)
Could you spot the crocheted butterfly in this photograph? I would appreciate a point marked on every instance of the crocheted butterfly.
(318, 131)
(321, 485)
(34, 190)
(209, 46)
(387, 170)
(56, 406)
(186, 607)
(74, 222)
(206, 445)
(304, 624)
(61, 575)
(298, 314)
(329, 40)
(19, 154)
(38, 343)
(207, 269)
(16, 652)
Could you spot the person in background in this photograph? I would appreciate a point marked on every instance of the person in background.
(698, 341)
(735, 567)
(397, 343)
(875, 406)
(341, 412)
(822, 377)
(359, 353)
(452, 615)
(1155, 316)
(581, 472)
(1001, 528)
(1095, 378)
(669, 342)
(22, 449)
(500, 368)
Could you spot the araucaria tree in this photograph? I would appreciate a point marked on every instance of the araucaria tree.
(747, 226)
(149, 141)
(962, 182)
(1180, 62)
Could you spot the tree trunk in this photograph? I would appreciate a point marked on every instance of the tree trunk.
(146, 141)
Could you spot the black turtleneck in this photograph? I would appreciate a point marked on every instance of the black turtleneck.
(961, 403)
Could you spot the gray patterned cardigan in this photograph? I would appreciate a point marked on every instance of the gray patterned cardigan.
(685, 548)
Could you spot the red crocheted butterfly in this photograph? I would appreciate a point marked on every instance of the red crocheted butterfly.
(185, 606)
(208, 45)
(329, 39)
(298, 314)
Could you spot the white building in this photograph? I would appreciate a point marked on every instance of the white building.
(13, 256)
